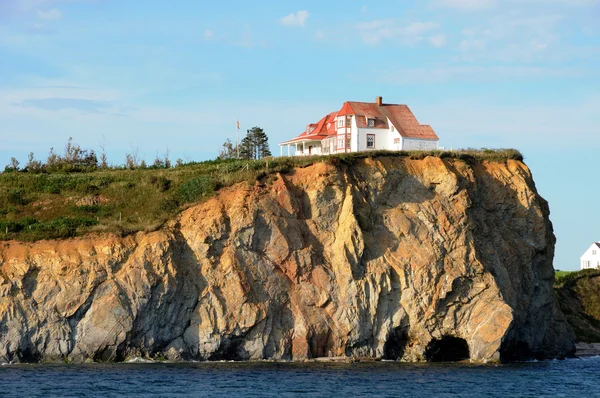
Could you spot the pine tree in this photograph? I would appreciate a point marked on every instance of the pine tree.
(248, 147)
(262, 143)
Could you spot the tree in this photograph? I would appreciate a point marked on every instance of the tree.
(255, 144)
(247, 147)
(228, 151)
(13, 166)
(262, 143)
(33, 166)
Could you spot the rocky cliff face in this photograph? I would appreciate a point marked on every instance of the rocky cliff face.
(389, 257)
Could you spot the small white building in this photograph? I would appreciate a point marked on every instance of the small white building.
(363, 126)
(591, 257)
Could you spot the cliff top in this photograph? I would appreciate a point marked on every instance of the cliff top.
(578, 295)
(60, 205)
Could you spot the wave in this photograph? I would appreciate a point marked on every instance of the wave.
(139, 360)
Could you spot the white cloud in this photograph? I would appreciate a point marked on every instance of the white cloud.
(208, 34)
(49, 15)
(295, 19)
(374, 32)
(466, 4)
(438, 40)
(462, 73)
(320, 35)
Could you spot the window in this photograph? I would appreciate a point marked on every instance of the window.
(341, 122)
(396, 140)
(348, 143)
(340, 143)
(370, 140)
(371, 122)
(393, 128)
(593, 252)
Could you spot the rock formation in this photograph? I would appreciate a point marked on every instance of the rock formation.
(384, 258)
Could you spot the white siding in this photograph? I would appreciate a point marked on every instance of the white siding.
(415, 144)
(591, 257)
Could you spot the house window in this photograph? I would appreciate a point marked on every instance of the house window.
(340, 143)
(371, 122)
(396, 140)
(371, 141)
(593, 252)
(393, 128)
(341, 122)
(348, 143)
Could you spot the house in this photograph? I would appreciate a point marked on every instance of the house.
(591, 257)
(362, 126)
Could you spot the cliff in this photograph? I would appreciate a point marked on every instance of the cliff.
(387, 257)
(578, 295)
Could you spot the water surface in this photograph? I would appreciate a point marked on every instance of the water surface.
(568, 378)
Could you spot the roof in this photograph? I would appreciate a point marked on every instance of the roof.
(400, 116)
(317, 131)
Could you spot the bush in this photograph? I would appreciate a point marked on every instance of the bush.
(196, 189)
(162, 183)
(17, 197)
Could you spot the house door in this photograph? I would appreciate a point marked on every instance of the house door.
(310, 149)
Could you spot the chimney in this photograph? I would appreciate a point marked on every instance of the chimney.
(379, 101)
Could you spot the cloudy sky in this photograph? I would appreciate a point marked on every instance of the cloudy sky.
(160, 74)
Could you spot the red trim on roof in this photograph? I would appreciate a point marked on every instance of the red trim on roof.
(400, 116)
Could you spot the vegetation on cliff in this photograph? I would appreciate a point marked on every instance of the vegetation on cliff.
(59, 202)
(578, 295)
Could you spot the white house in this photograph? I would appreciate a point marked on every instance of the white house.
(362, 126)
(591, 257)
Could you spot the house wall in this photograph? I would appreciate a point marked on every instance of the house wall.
(316, 149)
(591, 258)
(415, 144)
(381, 139)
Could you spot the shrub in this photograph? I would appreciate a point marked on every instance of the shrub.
(17, 197)
(161, 183)
(197, 188)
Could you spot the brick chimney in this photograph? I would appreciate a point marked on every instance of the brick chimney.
(379, 101)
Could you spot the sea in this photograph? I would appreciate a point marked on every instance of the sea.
(557, 378)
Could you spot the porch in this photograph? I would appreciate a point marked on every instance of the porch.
(301, 148)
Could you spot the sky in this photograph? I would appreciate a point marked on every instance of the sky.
(154, 75)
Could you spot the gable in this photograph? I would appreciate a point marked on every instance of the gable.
(593, 252)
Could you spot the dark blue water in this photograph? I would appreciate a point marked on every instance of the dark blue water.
(569, 378)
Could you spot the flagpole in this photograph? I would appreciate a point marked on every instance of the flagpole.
(237, 139)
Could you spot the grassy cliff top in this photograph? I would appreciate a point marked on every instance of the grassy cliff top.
(45, 205)
(578, 295)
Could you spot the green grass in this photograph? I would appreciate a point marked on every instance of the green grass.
(578, 294)
(561, 275)
(57, 205)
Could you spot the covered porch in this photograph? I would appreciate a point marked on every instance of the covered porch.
(302, 147)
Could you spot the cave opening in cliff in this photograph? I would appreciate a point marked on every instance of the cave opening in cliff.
(447, 349)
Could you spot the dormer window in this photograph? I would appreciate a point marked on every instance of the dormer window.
(371, 122)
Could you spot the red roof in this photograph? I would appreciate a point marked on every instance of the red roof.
(400, 116)
(322, 129)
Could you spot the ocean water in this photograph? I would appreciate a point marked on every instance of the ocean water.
(567, 378)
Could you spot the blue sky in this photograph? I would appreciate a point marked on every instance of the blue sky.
(155, 74)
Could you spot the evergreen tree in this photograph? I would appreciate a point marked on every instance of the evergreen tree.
(255, 145)
(261, 142)
(248, 147)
